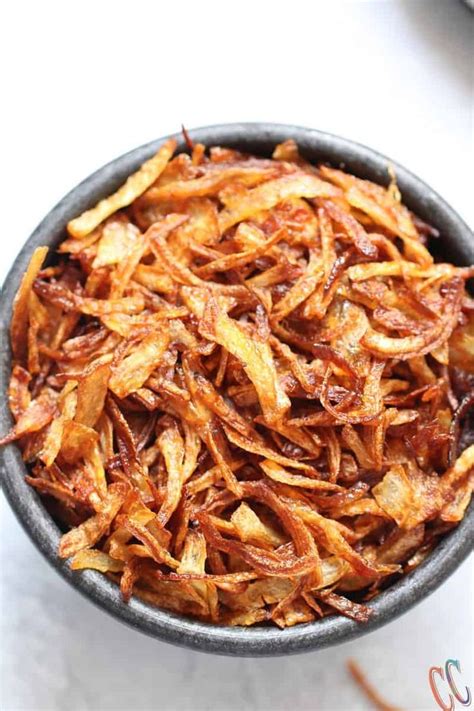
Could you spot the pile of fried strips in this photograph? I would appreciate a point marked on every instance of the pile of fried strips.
(244, 387)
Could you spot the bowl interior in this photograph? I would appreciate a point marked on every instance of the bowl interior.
(455, 243)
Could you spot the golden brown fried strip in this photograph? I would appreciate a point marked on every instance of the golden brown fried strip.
(371, 693)
(19, 322)
(135, 185)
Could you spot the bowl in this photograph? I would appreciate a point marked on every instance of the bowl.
(456, 242)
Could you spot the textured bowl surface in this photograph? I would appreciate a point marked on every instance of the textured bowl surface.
(456, 245)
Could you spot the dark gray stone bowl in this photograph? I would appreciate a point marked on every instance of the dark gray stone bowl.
(457, 245)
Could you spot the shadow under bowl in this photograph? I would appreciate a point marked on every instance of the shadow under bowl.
(456, 243)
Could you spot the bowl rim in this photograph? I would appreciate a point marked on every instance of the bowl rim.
(39, 525)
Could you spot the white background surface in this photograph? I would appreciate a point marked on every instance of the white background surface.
(85, 81)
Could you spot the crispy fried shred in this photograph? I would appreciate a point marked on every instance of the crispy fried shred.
(246, 388)
(371, 693)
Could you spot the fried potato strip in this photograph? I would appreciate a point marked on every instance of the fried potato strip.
(135, 185)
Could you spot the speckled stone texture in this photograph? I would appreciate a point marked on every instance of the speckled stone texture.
(456, 244)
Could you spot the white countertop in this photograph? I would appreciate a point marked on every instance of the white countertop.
(87, 81)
